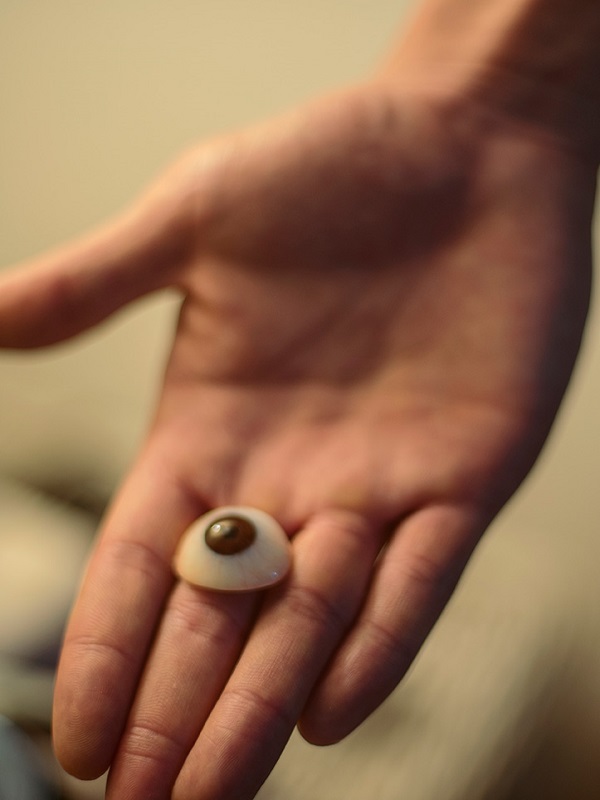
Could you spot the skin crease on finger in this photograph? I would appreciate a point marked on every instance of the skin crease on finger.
(384, 294)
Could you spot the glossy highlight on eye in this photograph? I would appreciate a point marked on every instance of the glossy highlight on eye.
(233, 549)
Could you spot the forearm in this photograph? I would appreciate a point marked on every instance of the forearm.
(536, 62)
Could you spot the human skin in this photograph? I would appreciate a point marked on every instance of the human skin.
(384, 294)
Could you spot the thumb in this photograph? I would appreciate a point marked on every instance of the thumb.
(75, 287)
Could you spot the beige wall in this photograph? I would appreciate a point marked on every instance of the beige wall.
(96, 96)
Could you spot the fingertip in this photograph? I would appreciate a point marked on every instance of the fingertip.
(327, 719)
(85, 726)
(320, 732)
(77, 750)
(83, 770)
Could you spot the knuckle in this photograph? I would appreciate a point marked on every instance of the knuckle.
(192, 615)
(313, 607)
(102, 652)
(260, 711)
(185, 618)
(425, 573)
(145, 740)
(390, 648)
(63, 293)
(139, 556)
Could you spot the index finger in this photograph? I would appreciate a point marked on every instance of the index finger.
(113, 621)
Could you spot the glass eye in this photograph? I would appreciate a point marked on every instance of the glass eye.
(233, 549)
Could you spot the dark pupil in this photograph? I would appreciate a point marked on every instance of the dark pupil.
(229, 536)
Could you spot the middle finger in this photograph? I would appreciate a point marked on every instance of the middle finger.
(298, 628)
(195, 650)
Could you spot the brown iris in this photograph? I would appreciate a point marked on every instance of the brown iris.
(230, 535)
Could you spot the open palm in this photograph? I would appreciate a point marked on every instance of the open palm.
(383, 301)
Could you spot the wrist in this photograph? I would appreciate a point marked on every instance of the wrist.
(533, 63)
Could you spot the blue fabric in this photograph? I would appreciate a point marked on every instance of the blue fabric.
(20, 774)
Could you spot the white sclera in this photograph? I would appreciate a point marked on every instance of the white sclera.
(265, 562)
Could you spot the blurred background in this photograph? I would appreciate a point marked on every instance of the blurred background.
(504, 701)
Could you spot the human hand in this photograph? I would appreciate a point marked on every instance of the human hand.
(383, 300)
